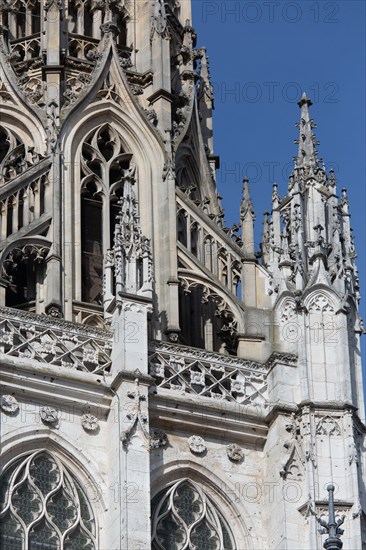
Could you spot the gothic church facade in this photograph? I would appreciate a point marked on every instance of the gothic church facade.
(163, 384)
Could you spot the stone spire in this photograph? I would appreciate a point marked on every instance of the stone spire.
(307, 154)
(311, 240)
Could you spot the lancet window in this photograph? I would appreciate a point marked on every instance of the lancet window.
(86, 16)
(183, 517)
(43, 506)
(104, 169)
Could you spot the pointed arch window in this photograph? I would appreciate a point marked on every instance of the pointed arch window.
(104, 167)
(43, 506)
(185, 517)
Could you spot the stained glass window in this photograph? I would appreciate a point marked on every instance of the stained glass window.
(185, 517)
(43, 507)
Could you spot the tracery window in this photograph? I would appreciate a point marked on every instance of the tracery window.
(43, 507)
(184, 517)
(104, 167)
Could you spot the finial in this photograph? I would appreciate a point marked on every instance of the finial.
(275, 196)
(307, 153)
(246, 207)
(344, 200)
(304, 101)
(332, 182)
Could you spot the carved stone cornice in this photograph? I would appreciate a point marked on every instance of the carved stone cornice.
(281, 357)
(131, 376)
(340, 505)
(208, 418)
(319, 407)
(48, 386)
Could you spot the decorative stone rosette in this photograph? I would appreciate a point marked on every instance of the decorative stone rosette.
(8, 404)
(90, 423)
(197, 444)
(235, 453)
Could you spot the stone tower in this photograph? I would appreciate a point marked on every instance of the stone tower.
(163, 384)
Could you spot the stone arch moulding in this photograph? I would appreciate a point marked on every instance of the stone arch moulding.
(205, 514)
(130, 110)
(94, 320)
(25, 441)
(108, 62)
(20, 101)
(141, 145)
(94, 115)
(54, 487)
(218, 489)
(148, 157)
(21, 122)
(224, 300)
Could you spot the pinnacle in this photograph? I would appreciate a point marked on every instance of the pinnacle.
(307, 153)
(246, 203)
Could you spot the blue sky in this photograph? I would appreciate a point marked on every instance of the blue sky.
(262, 56)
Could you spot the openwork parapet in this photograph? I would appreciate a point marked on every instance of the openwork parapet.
(41, 339)
(192, 371)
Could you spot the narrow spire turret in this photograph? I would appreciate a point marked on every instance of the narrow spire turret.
(247, 219)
